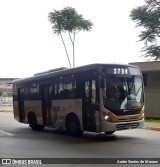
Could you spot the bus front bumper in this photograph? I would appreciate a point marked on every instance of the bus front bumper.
(115, 126)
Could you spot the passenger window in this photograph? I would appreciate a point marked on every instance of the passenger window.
(34, 89)
(65, 87)
(93, 91)
(55, 87)
(90, 90)
(87, 89)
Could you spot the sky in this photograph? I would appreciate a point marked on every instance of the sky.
(28, 44)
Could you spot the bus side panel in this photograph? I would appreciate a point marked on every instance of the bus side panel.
(16, 111)
(36, 107)
(60, 108)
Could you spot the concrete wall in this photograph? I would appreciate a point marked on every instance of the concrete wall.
(151, 71)
(152, 104)
(152, 94)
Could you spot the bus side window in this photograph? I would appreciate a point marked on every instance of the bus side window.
(60, 87)
(73, 89)
(64, 88)
(90, 90)
(87, 89)
(50, 90)
(93, 91)
(33, 90)
(55, 89)
(69, 87)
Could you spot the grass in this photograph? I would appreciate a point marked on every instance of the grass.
(6, 102)
(152, 121)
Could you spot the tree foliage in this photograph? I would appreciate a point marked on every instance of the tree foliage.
(148, 17)
(68, 20)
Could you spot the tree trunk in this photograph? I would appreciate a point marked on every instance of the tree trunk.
(65, 50)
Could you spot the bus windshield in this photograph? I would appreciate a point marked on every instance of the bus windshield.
(123, 93)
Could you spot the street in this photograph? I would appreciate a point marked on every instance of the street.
(19, 141)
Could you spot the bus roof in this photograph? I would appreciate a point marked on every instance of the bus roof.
(65, 71)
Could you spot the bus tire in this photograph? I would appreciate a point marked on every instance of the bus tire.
(73, 126)
(32, 120)
(109, 132)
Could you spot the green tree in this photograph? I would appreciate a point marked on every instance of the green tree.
(68, 20)
(148, 17)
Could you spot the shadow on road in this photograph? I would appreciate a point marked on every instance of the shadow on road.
(87, 137)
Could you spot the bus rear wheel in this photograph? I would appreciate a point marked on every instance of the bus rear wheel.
(32, 120)
(73, 126)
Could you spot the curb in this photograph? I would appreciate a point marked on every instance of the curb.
(153, 128)
(6, 110)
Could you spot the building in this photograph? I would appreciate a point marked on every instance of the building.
(6, 85)
(6, 90)
(151, 77)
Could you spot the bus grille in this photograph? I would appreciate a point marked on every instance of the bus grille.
(128, 119)
(127, 126)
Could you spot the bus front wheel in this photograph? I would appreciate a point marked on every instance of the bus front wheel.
(73, 126)
(109, 132)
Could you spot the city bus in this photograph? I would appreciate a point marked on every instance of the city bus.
(94, 98)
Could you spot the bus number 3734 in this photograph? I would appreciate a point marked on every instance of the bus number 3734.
(96, 98)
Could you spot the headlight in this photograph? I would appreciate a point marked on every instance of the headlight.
(106, 117)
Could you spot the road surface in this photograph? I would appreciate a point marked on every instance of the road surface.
(19, 141)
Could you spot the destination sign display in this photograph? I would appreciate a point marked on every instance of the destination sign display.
(118, 70)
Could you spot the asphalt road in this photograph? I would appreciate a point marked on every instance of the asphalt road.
(19, 141)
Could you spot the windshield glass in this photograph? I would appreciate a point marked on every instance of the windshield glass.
(123, 92)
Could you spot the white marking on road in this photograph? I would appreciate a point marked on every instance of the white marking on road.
(9, 134)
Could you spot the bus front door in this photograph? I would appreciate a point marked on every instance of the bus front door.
(46, 104)
(89, 120)
(21, 104)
